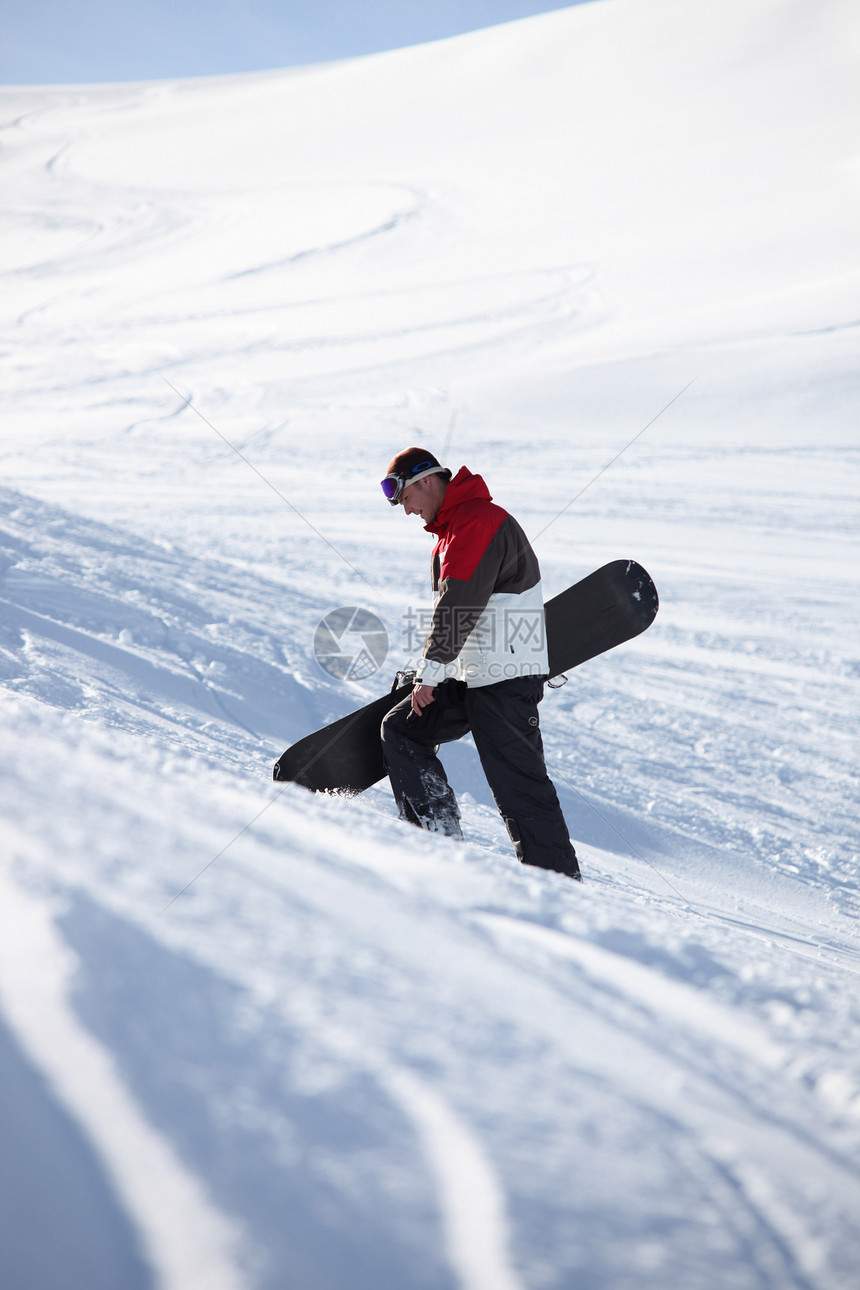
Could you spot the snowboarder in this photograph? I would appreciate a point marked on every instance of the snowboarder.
(483, 668)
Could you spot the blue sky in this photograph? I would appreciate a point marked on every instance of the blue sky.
(55, 41)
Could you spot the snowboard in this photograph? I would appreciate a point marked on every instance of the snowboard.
(610, 606)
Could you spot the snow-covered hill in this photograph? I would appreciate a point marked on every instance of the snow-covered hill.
(253, 1038)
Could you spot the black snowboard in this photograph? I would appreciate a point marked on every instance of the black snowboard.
(605, 609)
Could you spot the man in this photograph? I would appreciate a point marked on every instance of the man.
(483, 668)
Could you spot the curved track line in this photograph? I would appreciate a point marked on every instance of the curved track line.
(470, 1196)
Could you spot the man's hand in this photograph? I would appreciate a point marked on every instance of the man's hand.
(421, 696)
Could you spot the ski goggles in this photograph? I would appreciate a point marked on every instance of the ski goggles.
(393, 485)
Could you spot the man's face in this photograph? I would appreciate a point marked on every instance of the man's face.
(424, 497)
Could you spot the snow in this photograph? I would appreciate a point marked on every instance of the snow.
(608, 258)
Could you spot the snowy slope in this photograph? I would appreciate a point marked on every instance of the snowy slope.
(252, 1038)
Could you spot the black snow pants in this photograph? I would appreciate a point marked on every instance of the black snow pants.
(503, 719)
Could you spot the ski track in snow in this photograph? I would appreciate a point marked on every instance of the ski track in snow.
(187, 1240)
(309, 1045)
(471, 1199)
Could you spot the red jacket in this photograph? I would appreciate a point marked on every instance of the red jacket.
(488, 620)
